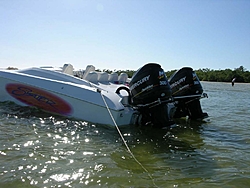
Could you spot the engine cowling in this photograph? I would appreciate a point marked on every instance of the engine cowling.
(185, 82)
(149, 84)
(187, 90)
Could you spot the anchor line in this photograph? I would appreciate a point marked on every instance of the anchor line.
(125, 143)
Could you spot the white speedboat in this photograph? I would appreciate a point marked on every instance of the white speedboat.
(102, 98)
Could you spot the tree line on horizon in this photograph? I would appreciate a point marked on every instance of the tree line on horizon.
(241, 74)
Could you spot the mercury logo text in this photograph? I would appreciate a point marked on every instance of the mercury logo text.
(139, 82)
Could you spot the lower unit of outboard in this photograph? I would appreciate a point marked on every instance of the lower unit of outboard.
(150, 93)
(186, 92)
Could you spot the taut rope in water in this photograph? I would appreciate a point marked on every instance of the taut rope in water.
(130, 152)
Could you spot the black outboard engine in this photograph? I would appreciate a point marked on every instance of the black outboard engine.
(150, 91)
(186, 91)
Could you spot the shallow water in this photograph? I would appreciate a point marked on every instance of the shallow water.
(40, 150)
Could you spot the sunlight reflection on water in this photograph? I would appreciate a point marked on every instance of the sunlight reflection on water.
(41, 150)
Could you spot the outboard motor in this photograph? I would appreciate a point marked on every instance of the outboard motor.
(150, 91)
(186, 91)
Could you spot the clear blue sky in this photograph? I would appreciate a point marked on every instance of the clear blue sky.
(125, 34)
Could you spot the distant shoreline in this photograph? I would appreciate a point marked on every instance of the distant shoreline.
(241, 74)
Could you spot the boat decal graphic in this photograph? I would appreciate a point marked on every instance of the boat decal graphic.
(161, 75)
(139, 82)
(180, 81)
(39, 98)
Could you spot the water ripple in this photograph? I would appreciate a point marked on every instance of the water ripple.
(41, 150)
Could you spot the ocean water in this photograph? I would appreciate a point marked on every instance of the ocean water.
(41, 150)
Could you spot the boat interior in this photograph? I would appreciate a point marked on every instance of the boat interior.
(91, 75)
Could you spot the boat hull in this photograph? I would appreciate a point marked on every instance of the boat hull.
(64, 98)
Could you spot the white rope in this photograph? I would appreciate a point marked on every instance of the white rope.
(130, 152)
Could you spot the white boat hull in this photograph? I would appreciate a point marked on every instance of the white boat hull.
(64, 98)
